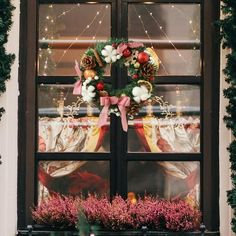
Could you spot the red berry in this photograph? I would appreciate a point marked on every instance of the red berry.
(100, 86)
(114, 45)
(143, 57)
(135, 76)
(126, 52)
(151, 79)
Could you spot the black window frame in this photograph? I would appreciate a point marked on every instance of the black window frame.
(209, 84)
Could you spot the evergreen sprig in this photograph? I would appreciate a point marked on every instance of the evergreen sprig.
(6, 59)
(228, 35)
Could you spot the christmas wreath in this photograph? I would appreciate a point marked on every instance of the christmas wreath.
(142, 64)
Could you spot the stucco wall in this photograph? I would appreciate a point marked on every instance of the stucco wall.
(8, 139)
(8, 147)
(225, 139)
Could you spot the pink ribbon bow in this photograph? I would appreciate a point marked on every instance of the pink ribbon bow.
(121, 102)
(122, 46)
(78, 84)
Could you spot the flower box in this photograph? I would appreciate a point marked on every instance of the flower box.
(61, 215)
(47, 232)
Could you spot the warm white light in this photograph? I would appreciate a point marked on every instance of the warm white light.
(87, 26)
(52, 21)
(150, 13)
(146, 31)
(161, 27)
(47, 17)
(98, 12)
(50, 6)
(63, 12)
(46, 29)
(106, 6)
(100, 22)
(93, 37)
(139, 16)
(190, 22)
(172, 6)
(148, 2)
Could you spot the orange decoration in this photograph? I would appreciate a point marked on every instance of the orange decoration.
(89, 73)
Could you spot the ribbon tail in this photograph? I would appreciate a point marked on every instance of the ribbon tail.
(123, 118)
(103, 116)
(78, 87)
(77, 69)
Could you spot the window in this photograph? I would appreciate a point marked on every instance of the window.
(178, 155)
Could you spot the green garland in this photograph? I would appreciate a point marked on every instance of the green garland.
(228, 34)
(6, 60)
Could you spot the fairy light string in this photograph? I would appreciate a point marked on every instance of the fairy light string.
(188, 19)
(48, 17)
(165, 34)
(81, 33)
(148, 36)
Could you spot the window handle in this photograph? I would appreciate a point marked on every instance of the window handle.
(0, 160)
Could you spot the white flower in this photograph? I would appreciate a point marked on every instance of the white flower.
(110, 54)
(88, 92)
(96, 77)
(87, 81)
(140, 94)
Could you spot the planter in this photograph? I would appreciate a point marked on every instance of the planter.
(43, 231)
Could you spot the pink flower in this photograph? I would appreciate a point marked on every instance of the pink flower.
(119, 214)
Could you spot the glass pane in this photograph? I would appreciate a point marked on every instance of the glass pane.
(66, 124)
(189, 64)
(173, 30)
(66, 31)
(73, 178)
(152, 131)
(169, 180)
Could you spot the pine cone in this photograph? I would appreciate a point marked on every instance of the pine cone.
(133, 109)
(88, 62)
(148, 70)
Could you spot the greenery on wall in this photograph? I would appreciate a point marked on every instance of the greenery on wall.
(6, 59)
(228, 33)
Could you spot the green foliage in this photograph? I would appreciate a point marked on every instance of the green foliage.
(228, 35)
(6, 59)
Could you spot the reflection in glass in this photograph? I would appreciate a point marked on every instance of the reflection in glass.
(169, 180)
(173, 30)
(151, 132)
(73, 178)
(66, 31)
(175, 21)
(62, 128)
(172, 64)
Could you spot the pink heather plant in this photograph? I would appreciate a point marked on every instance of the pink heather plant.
(119, 214)
(180, 216)
(57, 211)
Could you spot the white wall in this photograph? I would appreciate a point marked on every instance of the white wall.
(8, 139)
(225, 139)
(8, 147)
